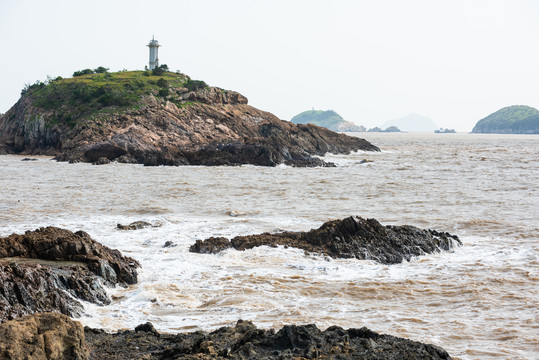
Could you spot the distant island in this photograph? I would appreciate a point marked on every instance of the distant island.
(412, 122)
(516, 119)
(445, 131)
(328, 119)
(157, 117)
(389, 129)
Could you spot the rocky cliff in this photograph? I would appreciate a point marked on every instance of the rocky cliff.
(132, 118)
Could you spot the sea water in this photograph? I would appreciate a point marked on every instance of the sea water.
(479, 301)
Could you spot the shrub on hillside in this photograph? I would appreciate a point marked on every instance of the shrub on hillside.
(194, 85)
(101, 70)
(83, 72)
(162, 83)
(160, 70)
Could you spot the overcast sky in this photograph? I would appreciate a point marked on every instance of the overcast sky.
(371, 61)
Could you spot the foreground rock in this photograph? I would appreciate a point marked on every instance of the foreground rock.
(50, 268)
(353, 237)
(197, 126)
(245, 341)
(54, 336)
(42, 336)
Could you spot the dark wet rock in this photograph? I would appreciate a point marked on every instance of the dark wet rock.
(102, 161)
(52, 243)
(147, 327)
(169, 244)
(136, 225)
(50, 269)
(245, 341)
(211, 245)
(29, 159)
(103, 150)
(26, 288)
(353, 237)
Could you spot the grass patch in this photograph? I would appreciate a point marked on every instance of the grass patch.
(89, 94)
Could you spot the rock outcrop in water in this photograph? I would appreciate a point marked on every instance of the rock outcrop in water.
(245, 341)
(126, 117)
(353, 237)
(136, 225)
(49, 268)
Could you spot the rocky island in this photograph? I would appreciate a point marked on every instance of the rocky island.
(328, 119)
(516, 119)
(157, 118)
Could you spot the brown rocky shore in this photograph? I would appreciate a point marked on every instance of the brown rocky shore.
(44, 273)
(352, 237)
(205, 126)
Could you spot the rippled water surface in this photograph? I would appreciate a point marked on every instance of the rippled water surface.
(478, 302)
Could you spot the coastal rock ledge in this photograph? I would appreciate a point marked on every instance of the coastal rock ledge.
(352, 237)
(50, 268)
(56, 337)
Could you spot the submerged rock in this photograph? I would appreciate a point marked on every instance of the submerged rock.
(43, 336)
(245, 341)
(50, 268)
(353, 237)
(136, 225)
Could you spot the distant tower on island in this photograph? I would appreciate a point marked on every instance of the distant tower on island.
(154, 58)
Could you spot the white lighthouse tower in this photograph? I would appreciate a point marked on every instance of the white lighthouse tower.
(154, 58)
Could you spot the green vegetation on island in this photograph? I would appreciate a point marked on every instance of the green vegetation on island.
(91, 92)
(516, 119)
(328, 119)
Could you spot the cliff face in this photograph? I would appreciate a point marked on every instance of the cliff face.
(207, 126)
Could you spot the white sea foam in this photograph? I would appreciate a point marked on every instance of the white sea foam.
(467, 300)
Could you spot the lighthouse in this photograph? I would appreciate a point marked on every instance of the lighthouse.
(154, 58)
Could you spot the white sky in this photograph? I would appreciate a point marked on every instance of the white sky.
(371, 61)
